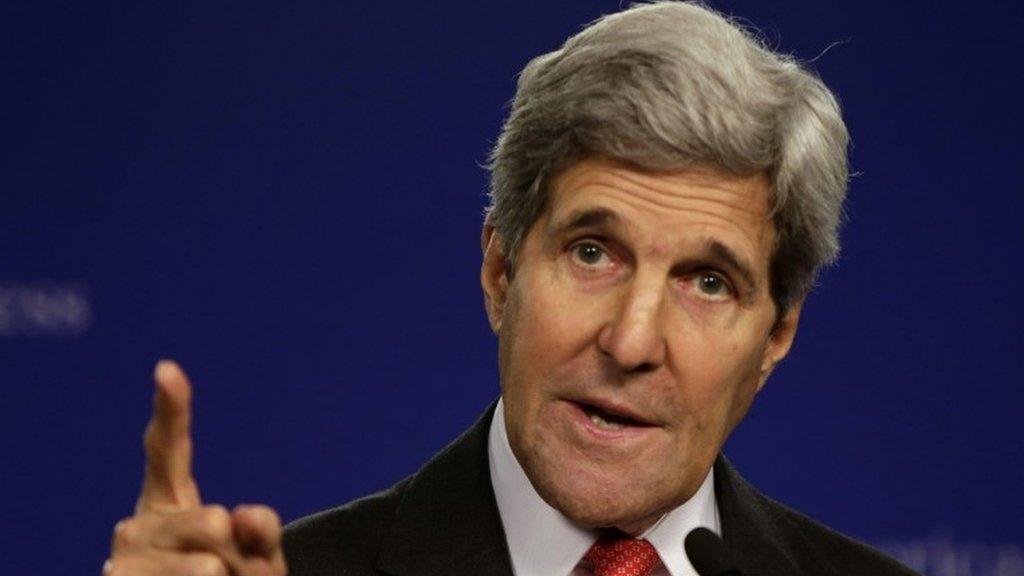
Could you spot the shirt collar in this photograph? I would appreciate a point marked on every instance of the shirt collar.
(667, 535)
(543, 542)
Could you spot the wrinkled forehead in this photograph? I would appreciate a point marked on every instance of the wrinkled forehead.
(662, 204)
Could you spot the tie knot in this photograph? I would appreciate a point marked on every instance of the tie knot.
(622, 556)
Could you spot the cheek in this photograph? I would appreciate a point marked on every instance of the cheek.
(546, 326)
(721, 375)
(744, 376)
(530, 339)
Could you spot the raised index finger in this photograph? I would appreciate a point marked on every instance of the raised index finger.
(168, 482)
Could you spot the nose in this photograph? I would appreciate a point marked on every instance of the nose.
(633, 336)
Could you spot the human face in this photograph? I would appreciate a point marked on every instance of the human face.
(633, 335)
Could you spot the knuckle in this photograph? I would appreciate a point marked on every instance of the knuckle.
(117, 567)
(126, 534)
(207, 565)
(272, 518)
(215, 521)
(266, 516)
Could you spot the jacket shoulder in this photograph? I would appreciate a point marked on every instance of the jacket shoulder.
(842, 553)
(773, 539)
(342, 541)
(442, 519)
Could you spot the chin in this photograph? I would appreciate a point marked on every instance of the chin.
(597, 498)
(632, 517)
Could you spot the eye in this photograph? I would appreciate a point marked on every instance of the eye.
(590, 255)
(712, 285)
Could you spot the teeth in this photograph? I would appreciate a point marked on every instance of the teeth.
(596, 419)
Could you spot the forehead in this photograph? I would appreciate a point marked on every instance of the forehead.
(666, 210)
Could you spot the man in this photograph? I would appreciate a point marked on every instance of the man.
(663, 193)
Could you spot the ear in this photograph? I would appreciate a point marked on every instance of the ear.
(493, 276)
(780, 341)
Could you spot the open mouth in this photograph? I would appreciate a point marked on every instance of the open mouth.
(604, 419)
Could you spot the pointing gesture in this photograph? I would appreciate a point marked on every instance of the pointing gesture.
(168, 483)
(171, 532)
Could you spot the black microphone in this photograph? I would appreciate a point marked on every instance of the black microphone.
(708, 554)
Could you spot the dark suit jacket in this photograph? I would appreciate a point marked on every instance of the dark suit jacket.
(444, 520)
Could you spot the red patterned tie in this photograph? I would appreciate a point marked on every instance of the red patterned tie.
(622, 556)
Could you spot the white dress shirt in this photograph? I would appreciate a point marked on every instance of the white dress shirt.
(543, 542)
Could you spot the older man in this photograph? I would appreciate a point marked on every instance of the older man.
(663, 193)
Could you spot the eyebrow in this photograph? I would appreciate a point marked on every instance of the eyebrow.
(731, 259)
(590, 218)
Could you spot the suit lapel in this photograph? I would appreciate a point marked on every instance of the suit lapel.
(447, 521)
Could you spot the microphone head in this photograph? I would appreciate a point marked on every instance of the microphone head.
(708, 554)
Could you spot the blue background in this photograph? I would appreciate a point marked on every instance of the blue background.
(287, 198)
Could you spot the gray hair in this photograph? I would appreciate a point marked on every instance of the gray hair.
(673, 85)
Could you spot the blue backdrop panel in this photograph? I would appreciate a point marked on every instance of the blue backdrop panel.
(287, 198)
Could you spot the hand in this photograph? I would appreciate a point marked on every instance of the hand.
(172, 533)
